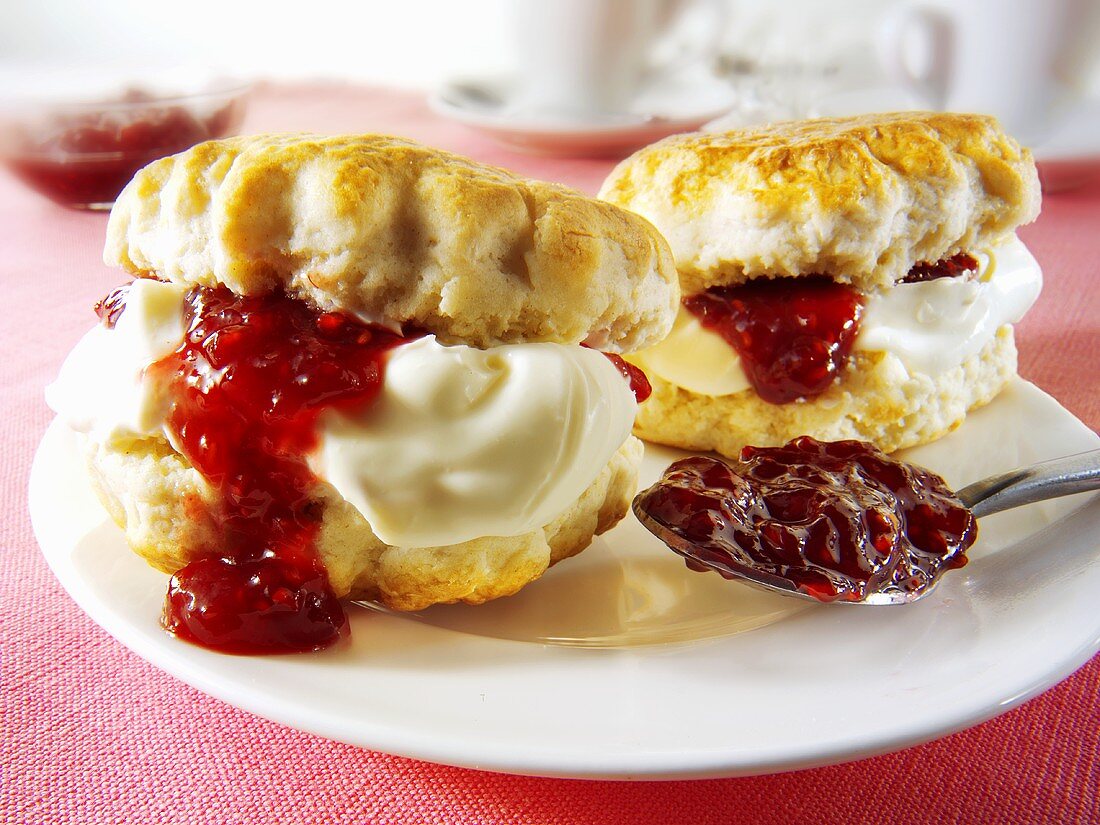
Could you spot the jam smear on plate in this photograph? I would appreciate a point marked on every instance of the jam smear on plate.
(246, 390)
(838, 519)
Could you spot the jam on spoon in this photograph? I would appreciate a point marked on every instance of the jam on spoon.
(838, 521)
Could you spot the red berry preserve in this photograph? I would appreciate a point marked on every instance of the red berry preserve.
(953, 267)
(839, 520)
(795, 335)
(639, 383)
(247, 388)
(85, 160)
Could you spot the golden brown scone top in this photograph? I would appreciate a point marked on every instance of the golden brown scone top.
(861, 199)
(399, 233)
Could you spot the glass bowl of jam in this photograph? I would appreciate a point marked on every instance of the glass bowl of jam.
(82, 153)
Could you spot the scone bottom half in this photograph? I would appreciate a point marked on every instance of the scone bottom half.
(293, 327)
(849, 278)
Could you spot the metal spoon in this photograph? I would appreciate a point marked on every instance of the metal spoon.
(1048, 479)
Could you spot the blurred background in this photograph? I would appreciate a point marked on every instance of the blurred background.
(410, 43)
(557, 77)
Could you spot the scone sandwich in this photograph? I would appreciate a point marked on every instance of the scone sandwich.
(360, 367)
(852, 278)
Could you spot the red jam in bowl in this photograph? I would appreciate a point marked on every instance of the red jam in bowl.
(85, 156)
(247, 388)
(839, 520)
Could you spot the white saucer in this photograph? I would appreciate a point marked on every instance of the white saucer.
(677, 103)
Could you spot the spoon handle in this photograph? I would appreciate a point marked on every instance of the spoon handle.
(1049, 479)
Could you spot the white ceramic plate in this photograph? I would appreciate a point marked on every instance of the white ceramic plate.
(571, 678)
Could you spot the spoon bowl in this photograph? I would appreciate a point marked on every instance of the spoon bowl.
(1049, 479)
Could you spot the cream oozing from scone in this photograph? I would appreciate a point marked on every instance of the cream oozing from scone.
(930, 326)
(460, 442)
(933, 326)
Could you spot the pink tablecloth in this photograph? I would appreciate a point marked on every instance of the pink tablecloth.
(95, 735)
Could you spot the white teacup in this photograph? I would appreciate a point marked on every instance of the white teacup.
(1021, 60)
(580, 58)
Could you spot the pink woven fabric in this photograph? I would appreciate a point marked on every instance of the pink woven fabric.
(92, 734)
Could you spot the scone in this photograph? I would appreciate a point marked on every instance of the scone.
(360, 367)
(851, 278)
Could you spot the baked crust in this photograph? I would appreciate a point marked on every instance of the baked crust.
(169, 516)
(876, 400)
(860, 199)
(399, 233)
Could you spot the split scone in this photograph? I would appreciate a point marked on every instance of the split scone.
(851, 278)
(360, 367)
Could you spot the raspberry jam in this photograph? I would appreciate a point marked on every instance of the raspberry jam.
(839, 520)
(247, 388)
(639, 384)
(794, 335)
(85, 159)
(952, 267)
(111, 307)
